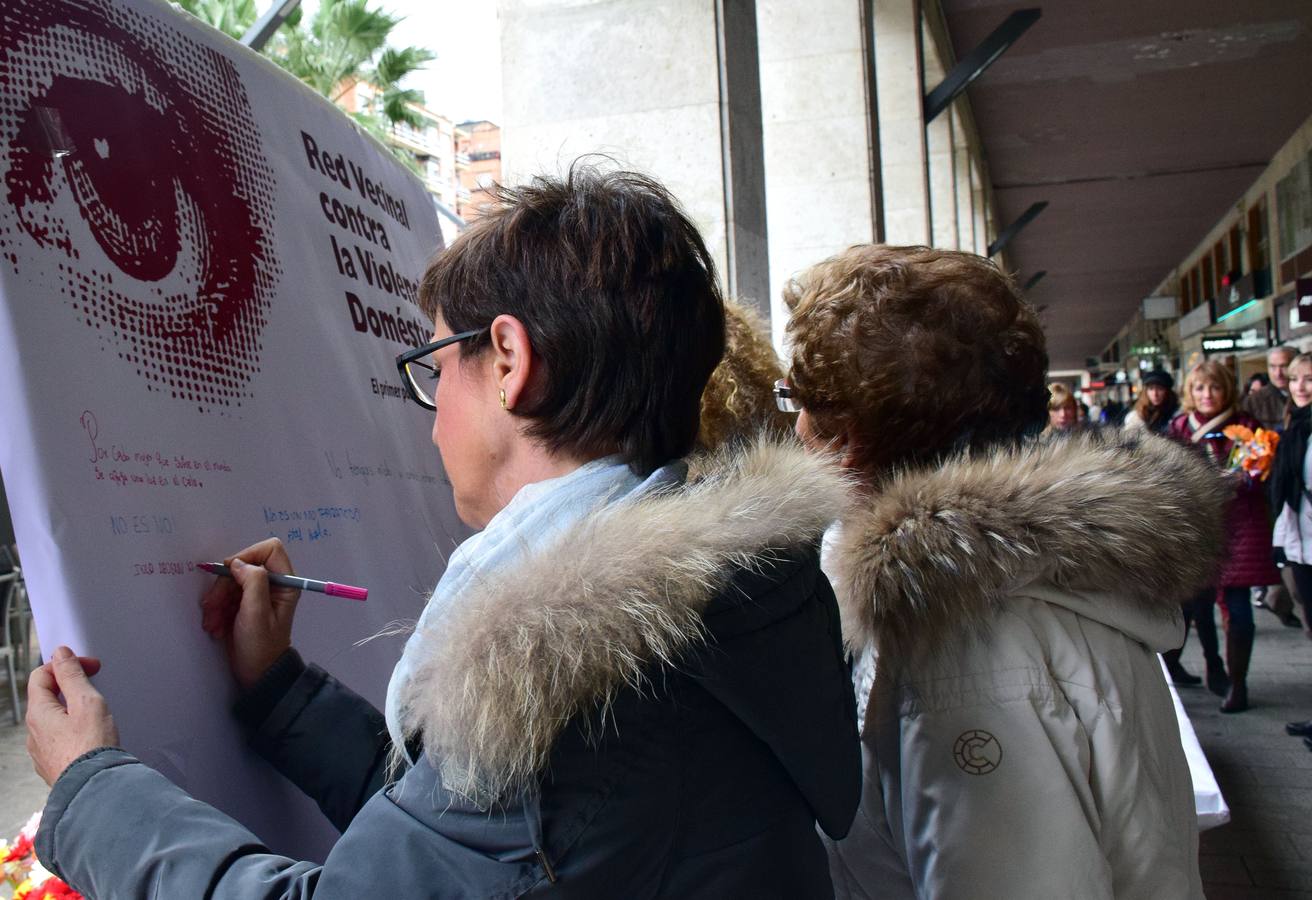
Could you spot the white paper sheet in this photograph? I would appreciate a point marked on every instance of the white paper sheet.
(205, 275)
(1208, 802)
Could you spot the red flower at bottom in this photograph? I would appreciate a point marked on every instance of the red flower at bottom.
(21, 849)
(54, 889)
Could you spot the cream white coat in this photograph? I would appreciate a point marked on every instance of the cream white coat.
(1019, 739)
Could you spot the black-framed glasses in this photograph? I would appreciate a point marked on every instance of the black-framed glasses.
(783, 397)
(419, 377)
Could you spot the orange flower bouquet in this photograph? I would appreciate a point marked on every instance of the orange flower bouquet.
(1253, 451)
(20, 869)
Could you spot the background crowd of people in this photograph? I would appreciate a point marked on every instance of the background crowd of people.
(1265, 563)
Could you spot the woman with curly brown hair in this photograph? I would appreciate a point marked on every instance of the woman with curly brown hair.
(1004, 596)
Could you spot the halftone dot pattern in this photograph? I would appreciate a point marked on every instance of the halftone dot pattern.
(136, 188)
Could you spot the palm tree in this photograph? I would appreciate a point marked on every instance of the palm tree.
(345, 43)
(232, 17)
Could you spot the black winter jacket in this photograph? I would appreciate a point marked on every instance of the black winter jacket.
(673, 726)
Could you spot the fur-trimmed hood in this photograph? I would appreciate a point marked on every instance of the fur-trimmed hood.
(528, 648)
(1135, 516)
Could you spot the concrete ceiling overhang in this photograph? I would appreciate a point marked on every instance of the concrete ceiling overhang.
(1141, 123)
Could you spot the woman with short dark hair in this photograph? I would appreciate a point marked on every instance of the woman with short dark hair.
(1003, 595)
(626, 684)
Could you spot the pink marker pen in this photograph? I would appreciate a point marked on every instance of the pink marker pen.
(294, 581)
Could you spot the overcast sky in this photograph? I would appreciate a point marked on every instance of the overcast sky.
(464, 82)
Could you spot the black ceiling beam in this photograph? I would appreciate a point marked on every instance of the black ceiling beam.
(1033, 280)
(1004, 237)
(973, 64)
(258, 34)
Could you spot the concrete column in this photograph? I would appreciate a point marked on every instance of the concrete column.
(942, 168)
(667, 87)
(821, 170)
(965, 197)
(900, 106)
(979, 202)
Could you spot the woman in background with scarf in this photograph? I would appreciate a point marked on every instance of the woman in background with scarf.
(1210, 396)
(1289, 494)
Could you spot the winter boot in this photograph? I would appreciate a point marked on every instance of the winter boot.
(1179, 674)
(1238, 652)
(1218, 682)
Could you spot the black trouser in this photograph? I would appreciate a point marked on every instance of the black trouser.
(1303, 586)
(1236, 611)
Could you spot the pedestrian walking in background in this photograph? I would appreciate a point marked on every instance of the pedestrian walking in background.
(1266, 400)
(1209, 407)
(1256, 382)
(1290, 478)
(1267, 404)
(1004, 595)
(1065, 413)
(1157, 404)
(1289, 492)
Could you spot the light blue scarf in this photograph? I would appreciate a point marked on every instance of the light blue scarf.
(538, 514)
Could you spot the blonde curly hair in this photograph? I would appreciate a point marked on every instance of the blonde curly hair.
(739, 399)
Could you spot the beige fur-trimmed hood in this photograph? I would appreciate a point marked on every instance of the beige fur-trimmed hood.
(943, 547)
(528, 648)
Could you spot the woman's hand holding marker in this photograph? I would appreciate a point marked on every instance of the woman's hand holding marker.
(253, 619)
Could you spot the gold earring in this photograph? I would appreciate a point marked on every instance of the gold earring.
(503, 399)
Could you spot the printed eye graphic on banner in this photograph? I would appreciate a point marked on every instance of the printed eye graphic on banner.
(135, 186)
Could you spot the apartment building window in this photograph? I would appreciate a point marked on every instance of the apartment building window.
(1235, 256)
(1209, 282)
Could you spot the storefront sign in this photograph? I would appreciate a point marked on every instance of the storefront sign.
(1303, 305)
(1244, 290)
(1160, 307)
(1252, 339)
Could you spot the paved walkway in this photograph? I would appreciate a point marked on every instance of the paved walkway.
(21, 791)
(1265, 853)
(1266, 776)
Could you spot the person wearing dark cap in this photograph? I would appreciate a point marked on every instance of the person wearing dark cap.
(1153, 410)
(1157, 403)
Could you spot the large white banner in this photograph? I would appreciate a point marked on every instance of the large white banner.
(205, 275)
